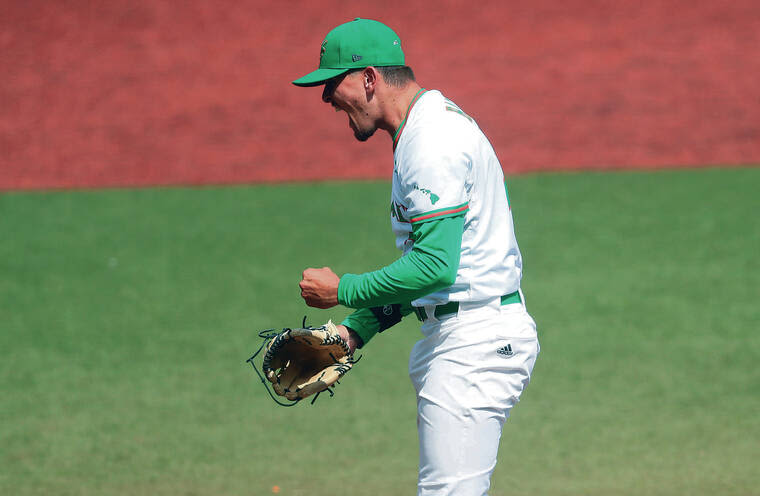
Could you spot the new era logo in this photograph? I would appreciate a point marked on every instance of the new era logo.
(356, 58)
(506, 350)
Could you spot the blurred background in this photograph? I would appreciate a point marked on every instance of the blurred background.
(117, 93)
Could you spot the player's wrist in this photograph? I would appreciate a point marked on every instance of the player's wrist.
(351, 337)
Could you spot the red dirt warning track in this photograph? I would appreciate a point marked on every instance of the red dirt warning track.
(128, 93)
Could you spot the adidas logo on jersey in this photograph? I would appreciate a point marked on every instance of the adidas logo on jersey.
(506, 350)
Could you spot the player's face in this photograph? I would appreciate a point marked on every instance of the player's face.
(347, 93)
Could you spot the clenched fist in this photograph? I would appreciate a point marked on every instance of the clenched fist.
(319, 287)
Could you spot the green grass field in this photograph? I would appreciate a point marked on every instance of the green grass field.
(126, 317)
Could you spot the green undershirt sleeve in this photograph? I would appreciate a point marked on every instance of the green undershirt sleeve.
(430, 266)
(367, 322)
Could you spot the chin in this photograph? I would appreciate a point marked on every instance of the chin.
(364, 135)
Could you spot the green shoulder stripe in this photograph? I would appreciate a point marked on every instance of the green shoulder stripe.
(441, 213)
(453, 107)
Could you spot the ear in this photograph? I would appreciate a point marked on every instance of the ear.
(370, 79)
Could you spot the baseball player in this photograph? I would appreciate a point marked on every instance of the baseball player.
(460, 267)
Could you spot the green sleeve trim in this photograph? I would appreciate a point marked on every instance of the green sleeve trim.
(441, 213)
(366, 323)
(431, 266)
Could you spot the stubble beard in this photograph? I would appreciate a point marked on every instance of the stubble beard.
(364, 134)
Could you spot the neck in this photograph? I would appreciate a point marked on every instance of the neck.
(395, 106)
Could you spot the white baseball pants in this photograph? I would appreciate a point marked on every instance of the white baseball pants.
(468, 372)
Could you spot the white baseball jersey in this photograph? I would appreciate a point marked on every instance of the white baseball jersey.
(444, 165)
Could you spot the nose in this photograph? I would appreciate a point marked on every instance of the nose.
(327, 94)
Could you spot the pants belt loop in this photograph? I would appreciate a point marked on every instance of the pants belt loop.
(420, 314)
(430, 311)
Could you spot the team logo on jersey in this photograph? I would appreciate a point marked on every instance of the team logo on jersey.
(433, 197)
(397, 212)
(506, 351)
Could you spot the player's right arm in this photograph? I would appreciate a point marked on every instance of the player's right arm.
(432, 187)
(430, 266)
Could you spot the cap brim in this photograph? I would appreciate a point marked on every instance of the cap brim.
(320, 76)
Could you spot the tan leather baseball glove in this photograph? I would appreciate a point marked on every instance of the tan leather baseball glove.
(305, 361)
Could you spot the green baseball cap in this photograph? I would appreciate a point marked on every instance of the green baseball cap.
(354, 45)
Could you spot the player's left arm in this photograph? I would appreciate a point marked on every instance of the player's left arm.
(364, 323)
